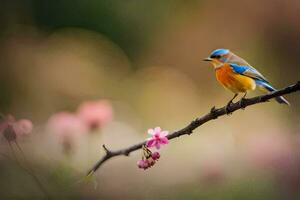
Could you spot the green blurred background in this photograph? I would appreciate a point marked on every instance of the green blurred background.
(145, 56)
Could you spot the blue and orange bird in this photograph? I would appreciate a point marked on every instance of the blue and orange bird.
(237, 75)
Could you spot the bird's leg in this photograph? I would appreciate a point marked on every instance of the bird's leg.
(229, 104)
(242, 101)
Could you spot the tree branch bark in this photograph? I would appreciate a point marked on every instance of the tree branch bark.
(213, 114)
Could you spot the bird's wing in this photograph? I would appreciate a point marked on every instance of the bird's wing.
(244, 68)
(247, 71)
(237, 60)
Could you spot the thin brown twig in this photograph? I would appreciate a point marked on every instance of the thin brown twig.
(213, 114)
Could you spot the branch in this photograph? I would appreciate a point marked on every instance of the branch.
(213, 114)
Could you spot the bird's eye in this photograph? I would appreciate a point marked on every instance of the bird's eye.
(215, 56)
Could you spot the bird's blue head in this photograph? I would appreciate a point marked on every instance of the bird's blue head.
(218, 56)
(218, 53)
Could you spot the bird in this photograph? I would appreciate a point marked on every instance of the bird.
(238, 76)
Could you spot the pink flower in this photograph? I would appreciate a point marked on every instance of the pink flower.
(11, 129)
(158, 138)
(24, 126)
(67, 127)
(270, 151)
(95, 114)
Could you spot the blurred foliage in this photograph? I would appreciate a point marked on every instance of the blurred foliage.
(130, 24)
(241, 189)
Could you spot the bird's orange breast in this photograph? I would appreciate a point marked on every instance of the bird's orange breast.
(233, 81)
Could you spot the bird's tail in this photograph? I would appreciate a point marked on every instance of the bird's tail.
(264, 86)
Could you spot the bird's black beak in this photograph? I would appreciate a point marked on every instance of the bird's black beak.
(207, 59)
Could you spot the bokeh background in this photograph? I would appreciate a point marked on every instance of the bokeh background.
(145, 58)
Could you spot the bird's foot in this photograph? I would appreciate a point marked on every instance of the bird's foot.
(242, 103)
(227, 108)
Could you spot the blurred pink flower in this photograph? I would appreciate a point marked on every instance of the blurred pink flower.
(270, 151)
(12, 129)
(67, 127)
(95, 114)
(158, 137)
(6, 121)
(24, 126)
(278, 154)
(213, 172)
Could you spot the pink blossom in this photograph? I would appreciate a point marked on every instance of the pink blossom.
(66, 125)
(11, 128)
(95, 114)
(158, 138)
(24, 126)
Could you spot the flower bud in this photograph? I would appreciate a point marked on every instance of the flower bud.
(155, 155)
(142, 164)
